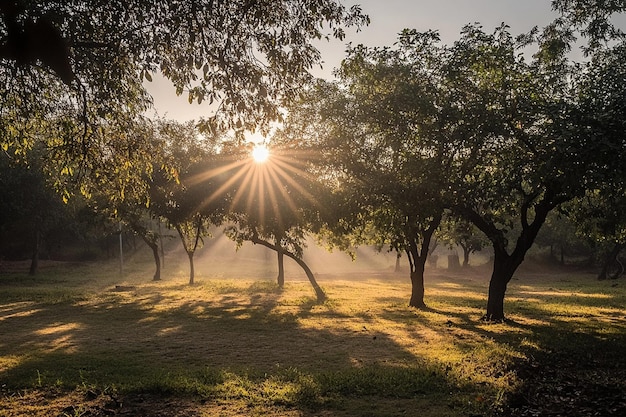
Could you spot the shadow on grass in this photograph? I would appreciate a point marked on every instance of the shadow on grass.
(216, 342)
(569, 335)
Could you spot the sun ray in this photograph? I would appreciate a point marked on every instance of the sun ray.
(286, 177)
(288, 199)
(207, 175)
(270, 190)
(220, 191)
(245, 185)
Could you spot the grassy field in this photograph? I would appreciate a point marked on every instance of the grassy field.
(80, 340)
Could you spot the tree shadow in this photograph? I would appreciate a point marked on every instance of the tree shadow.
(214, 342)
(569, 340)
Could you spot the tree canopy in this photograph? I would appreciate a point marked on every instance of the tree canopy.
(71, 70)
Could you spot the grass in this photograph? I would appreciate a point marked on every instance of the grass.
(72, 343)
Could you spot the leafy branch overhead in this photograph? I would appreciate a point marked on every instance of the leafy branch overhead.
(246, 55)
(81, 64)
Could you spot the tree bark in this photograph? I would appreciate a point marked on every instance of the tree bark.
(191, 249)
(152, 241)
(417, 287)
(157, 262)
(319, 293)
(154, 246)
(417, 260)
(281, 268)
(192, 272)
(504, 266)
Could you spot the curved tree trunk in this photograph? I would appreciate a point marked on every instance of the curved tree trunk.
(154, 246)
(191, 244)
(157, 262)
(321, 296)
(319, 293)
(152, 240)
(504, 266)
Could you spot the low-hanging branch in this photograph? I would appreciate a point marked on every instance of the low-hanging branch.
(319, 293)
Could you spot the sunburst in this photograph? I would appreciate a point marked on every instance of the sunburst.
(260, 153)
(268, 184)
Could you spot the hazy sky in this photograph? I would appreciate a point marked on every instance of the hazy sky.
(388, 18)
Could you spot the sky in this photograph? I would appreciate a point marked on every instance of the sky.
(388, 19)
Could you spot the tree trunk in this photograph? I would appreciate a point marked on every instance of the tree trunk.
(466, 255)
(505, 265)
(610, 258)
(453, 262)
(417, 260)
(501, 275)
(417, 286)
(319, 293)
(191, 269)
(397, 268)
(154, 246)
(281, 268)
(321, 296)
(34, 260)
(161, 244)
(157, 262)
(190, 248)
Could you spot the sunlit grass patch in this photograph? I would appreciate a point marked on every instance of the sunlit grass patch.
(249, 343)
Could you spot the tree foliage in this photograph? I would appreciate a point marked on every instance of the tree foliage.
(69, 70)
(593, 18)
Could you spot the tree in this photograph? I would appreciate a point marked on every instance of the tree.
(559, 234)
(525, 168)
(277, 204)
(460, 232)
(187, 189)
(30, 208)
(551, 141)
(122, 194)
(602, 120)
(383, 130)
(70, 69)
(600, 216)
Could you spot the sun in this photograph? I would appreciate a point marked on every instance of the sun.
(260, 153)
